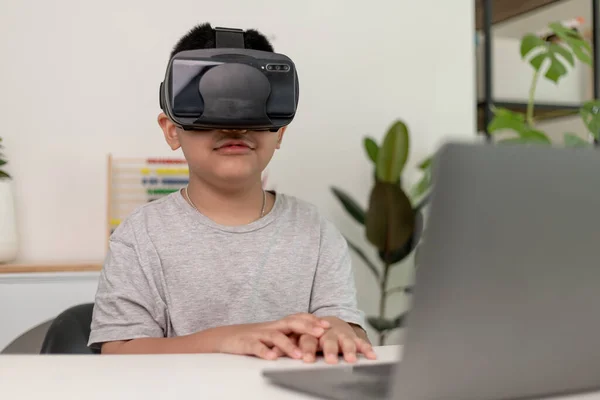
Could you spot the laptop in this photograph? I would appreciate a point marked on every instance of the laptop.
(507, 289)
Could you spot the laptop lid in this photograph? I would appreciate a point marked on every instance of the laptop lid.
(507, 299)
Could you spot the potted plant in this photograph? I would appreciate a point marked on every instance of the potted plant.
(551, 60)
(392, 223)
(8, 230)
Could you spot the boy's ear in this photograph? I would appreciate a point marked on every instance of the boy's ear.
(280, 136)
(169, 130)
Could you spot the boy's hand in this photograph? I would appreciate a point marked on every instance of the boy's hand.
(341, 338)
(260, 340)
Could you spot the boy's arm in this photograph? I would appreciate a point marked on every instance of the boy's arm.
(128, 303)
(248, 339)
(334, 290)
(202, 342)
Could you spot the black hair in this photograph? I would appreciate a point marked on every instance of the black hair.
(203, 37)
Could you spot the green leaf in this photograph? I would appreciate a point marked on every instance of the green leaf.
(530, 137)
(390, 219)
(397, 289)
(353, 208)
(395, 256)
(381, 324)
(556, 53)
(566, 54)
(572, 140)
(530, 42)
(399, 320)
(4, 175)
(364, 257)
(385, 324)
(371, 148)
(422, 186)
(505, 119)
(393, 154)
(516, 140)
(2, 162)
(535, 136)
(577, 44)
(508, 120)
(426, 163)
(590, 113)
(556, 71)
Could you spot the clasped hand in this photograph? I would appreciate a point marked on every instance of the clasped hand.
(299, 336)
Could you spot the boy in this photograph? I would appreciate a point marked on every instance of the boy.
(224, 266)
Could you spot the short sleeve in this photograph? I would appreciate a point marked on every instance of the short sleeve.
(127, 305)
(334, 289)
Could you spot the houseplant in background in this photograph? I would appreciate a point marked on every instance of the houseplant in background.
(392, 222)
(550, 59)
(8, 229)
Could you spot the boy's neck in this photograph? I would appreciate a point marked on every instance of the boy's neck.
(229, 206)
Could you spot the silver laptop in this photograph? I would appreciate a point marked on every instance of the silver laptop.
(507, 299)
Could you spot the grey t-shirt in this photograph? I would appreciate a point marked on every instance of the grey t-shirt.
(171, 271)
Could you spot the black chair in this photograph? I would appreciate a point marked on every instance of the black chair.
(70, 331)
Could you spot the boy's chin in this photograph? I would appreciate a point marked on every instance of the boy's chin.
(237, 177)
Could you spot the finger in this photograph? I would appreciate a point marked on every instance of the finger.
(365, 348)
(348, 348)
(278, 351)
(294, 337)
(260, 350)
(313, 318)
(306, 326)
(299, 326)
(331, 349)
(308, 345)
(284, 343)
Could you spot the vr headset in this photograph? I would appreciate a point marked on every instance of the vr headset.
(230, 87)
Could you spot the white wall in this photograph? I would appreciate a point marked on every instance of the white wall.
(80, 79)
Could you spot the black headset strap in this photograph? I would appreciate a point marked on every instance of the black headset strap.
(229, 38)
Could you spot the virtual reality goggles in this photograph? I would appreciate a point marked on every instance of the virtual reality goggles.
(230, 87)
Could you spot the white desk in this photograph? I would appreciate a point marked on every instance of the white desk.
(147, 377)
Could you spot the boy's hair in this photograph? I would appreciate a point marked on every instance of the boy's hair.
(203, 37)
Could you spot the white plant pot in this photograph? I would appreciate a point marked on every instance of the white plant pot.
(8, 223)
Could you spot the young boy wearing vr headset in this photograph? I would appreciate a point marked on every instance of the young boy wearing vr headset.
(223, 265)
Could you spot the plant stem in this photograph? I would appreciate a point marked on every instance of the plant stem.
(383, 300)
(531, 100)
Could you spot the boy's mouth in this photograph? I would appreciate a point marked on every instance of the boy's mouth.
(234, 146)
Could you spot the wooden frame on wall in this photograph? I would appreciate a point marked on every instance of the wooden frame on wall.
(134, 181)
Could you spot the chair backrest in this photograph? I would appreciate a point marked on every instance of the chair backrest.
(30, 341)
(70, 331)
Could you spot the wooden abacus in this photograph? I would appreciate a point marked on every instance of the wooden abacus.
(133, 182)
